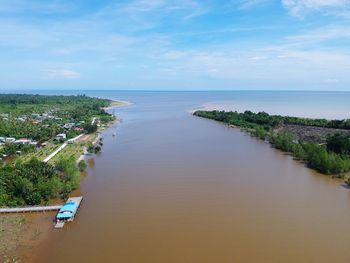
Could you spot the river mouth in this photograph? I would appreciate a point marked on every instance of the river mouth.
(171, 187)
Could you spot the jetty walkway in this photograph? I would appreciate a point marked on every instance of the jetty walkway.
(30, 209)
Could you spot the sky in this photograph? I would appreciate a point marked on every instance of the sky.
(175, 45)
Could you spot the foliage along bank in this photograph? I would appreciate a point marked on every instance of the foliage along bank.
(333, 158)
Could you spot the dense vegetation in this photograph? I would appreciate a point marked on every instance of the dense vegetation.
(332, 158)
(339, 144)
(35, 182)
(315, 156)
(75, 106)
(250, 119)
(24, 178)
(17, 111)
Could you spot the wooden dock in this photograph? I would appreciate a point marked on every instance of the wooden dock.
(58, 224)
(30, 209)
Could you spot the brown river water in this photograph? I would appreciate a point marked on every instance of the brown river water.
(171, 187)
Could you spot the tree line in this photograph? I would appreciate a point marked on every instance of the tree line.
(266, 120)
(36, 182)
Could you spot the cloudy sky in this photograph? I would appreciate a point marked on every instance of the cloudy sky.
(175, 45)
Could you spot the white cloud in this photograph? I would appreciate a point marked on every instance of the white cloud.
(247, 4)
(300, 8)
(150, 13)
(62, 74)
(332, 81)
(258, 58)
(322, 34)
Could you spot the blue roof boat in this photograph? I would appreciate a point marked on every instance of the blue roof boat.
(68, 211)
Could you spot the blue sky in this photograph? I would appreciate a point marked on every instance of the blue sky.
(175, 45)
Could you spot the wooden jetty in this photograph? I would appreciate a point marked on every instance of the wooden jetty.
(72, 203)
(30, 209)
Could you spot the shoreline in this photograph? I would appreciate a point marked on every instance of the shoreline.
(291, 111)
(23, 232)
(117, 103)
(308, 140)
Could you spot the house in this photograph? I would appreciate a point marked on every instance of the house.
(71, 141)
(61, 136)
(68, 125)
(2, 139)
(22, 119)
(10, 140)
(22, 141)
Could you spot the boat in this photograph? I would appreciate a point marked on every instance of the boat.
(114, 134)
(68, 211)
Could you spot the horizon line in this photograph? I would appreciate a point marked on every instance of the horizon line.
(175, 90)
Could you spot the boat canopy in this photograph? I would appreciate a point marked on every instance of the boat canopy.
(67, 210)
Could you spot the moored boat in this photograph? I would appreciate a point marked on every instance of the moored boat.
(68, 211)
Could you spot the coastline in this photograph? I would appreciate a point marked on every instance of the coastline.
(117, 103)
(289, 110)
(23, 232)
(94, 141)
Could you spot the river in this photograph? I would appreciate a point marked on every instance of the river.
(171, 187)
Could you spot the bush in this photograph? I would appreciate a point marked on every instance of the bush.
(82, 166)
(339, 143)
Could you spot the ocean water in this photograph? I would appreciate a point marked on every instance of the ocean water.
(313, 104)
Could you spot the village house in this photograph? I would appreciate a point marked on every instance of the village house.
(22, 119)
(36, 122)
(10, 140)
(61, 136)
(22, 141)
(68, 125)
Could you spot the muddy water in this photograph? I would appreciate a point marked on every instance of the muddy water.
(171, 187)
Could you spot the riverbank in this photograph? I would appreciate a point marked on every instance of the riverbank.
(19, 233)
(323, 145)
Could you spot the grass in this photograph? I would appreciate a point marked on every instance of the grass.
(74, 150)
(40, 154)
